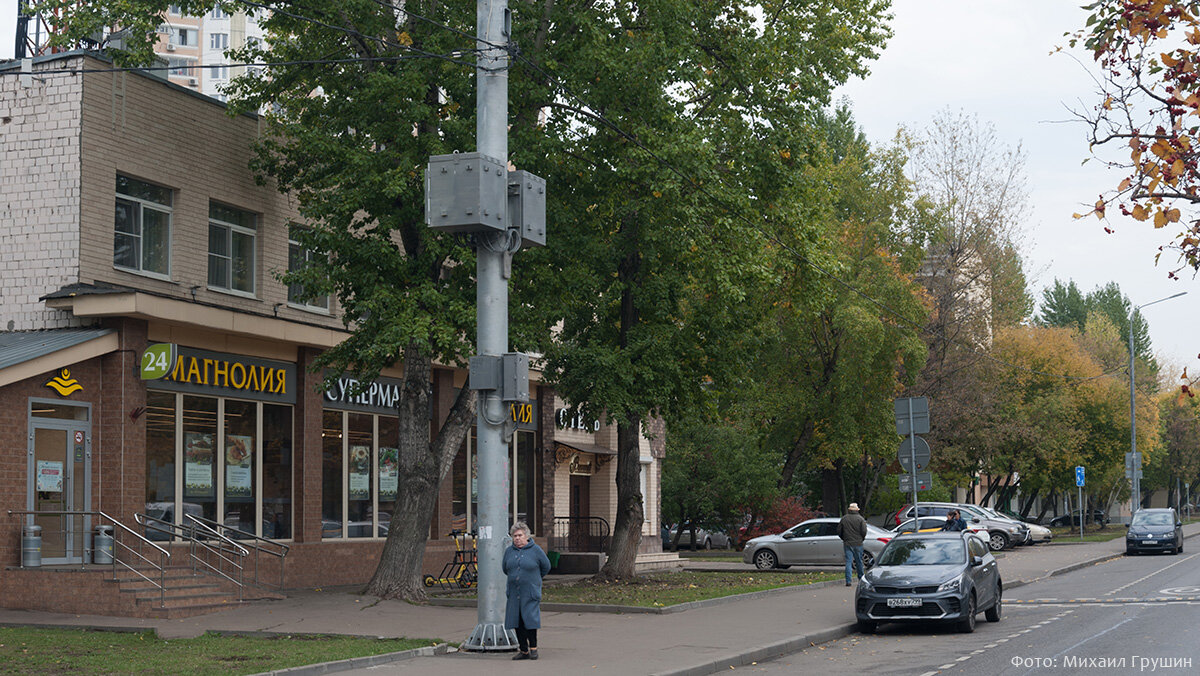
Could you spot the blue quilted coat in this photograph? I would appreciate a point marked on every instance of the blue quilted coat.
(525, 568)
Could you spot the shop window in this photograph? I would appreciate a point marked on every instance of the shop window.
(238, 452)
(199, 457)
(222, 465)
(389, 471)
(359, 461)
(277, 472)
(331, 474)
(160, 458)
(465, 485)
(231, 248)
(142, 228)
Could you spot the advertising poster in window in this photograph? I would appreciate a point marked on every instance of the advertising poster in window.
(49, 476)
(389, 473)
(198, 465)
(360, 472)
(238, 459)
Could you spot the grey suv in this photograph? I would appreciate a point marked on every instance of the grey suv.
(1002, 534)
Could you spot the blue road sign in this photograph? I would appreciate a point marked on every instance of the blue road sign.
(1078, 475)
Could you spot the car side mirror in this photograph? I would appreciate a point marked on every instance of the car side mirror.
(976, 561)
(1126, 526)
(974, 520)
(788, 536)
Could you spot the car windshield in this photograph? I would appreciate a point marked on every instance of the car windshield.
(1155, 519)
(923, 552)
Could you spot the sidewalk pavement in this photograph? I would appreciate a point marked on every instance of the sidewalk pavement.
(697, 641)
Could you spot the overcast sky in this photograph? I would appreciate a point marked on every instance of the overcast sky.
(992, 59)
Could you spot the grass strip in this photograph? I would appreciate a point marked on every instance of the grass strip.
(54, 652)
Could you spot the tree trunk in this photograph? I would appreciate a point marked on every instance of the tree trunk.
(423, 465)
(1029, 499)
(627, 533)
(993, 484)
(831, 491)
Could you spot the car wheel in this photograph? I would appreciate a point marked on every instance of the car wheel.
(1175, 550)
(868, 559)
(866, 626)
(993, 613)
(765, 559)
(998, 541)
(707, 544)
(967, 624)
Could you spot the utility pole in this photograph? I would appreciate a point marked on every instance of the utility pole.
(491, 299)
(1136, 458)
(475, 194)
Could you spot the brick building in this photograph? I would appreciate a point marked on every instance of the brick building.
(129, 219)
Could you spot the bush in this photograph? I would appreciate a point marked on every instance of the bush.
(783, 514)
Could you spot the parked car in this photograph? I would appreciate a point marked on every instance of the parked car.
(812, 542)
(1039, 534)
(934, 524)
(1155, 530)
(1002, 534)
(1028, 528)
(705, 539)
(920, 577)
(1096, 516)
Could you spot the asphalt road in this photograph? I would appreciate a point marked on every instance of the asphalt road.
(1129, 615)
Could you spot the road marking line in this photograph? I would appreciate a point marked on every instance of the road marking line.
(946, 666)
(991, 645)
(1001, 640)
(964, 658)
(976, 652)
(1114, 591)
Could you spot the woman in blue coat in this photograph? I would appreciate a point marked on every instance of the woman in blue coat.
(525, 564)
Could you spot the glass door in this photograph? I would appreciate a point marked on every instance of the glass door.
(59, 477)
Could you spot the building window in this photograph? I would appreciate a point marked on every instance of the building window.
(142, 227)
(218, 13)
(231, 250)
(359, 475)
(218, 41)
(182, 67)
(298, 259)
(183, 37)
(175, 9)
(219, 72)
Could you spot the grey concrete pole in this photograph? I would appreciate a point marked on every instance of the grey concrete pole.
(491, 131)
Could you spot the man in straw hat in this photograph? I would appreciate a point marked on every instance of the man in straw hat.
(852, 529)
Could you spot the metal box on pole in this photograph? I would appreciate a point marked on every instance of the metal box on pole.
(466, 192)
(527, 207)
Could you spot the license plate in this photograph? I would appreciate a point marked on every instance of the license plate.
(904, 603)
(1150, 542)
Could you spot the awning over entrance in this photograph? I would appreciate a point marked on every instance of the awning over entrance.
(24, 354)
(582, 459)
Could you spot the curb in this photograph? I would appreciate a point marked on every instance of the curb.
(359, 662)
(763, 653)
(643, 610)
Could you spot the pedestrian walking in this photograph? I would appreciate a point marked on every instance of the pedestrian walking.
(525, 564)
(852, 529)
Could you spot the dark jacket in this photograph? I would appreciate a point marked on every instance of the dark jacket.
(955, 524)
(525, 568)
(852, 529)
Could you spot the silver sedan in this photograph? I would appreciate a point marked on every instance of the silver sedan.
(812, 543)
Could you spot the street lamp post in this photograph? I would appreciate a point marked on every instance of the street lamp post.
(1136, 469)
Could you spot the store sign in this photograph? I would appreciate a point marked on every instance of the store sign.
(215, 373)
(381, 395)
(64, 384)
(524, 415)
(158, 360)
(570, 419)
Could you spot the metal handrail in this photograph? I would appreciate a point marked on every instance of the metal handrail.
(188, 533)
(253, 544)
(116, 559)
